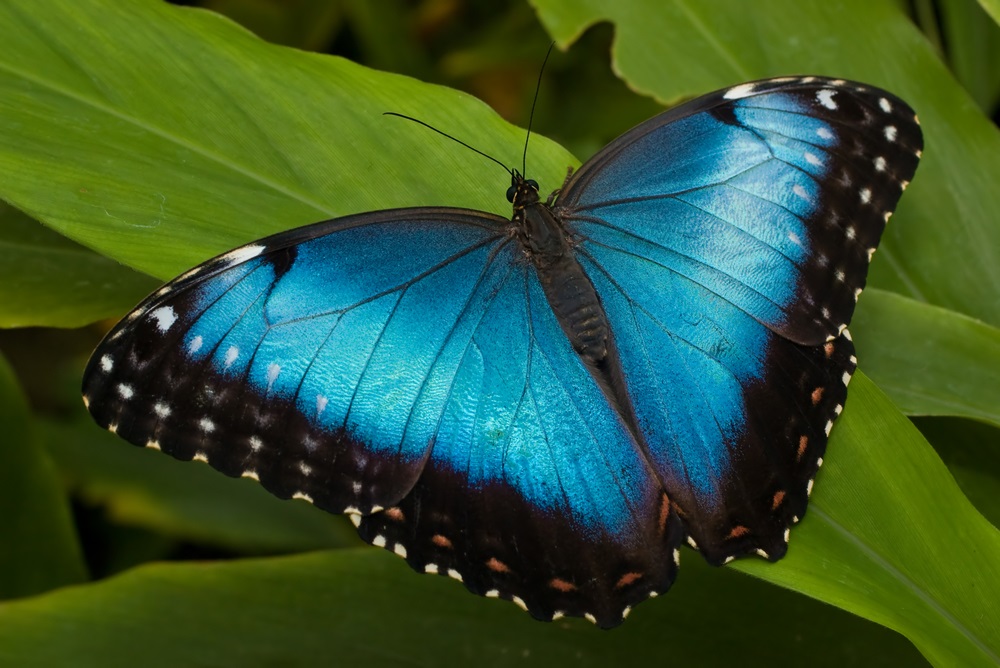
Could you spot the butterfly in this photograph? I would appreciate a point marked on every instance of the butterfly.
(545, 408)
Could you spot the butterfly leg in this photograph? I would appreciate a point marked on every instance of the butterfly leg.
(555, 193)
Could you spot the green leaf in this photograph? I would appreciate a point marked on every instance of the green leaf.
(972, 452)
(890, 537)
(220, 138)
(931, 361)
(992, 8)
(47, 280)
(943, 246)
(365, 607)
(139, 487)
(972, 41)
(38, 548)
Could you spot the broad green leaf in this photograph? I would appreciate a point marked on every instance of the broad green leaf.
(943, 247)
(972, 452)
(139, 487)
(992, 8)
(972, 41)
(47, 280)
(220, 138)
(366, 607)
(38, 548)
(890, 537)
(931, 361)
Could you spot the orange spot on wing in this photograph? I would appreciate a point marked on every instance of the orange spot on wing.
(497, 566)
(803, 444)
(441, 541)
(779, 496)
(738, 531)
(562, 585)
(828, 349)
(395, 514)
(817, 395)
(664, 513)
(627, 579)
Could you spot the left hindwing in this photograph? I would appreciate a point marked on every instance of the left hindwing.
(729, 239)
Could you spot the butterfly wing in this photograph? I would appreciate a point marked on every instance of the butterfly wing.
(729, 240)
(403, 367)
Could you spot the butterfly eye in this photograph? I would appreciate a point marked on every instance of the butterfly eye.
(510, 193)
(532, 183)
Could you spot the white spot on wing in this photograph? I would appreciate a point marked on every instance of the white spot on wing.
(846, 378)
(195, 344)
(828, 427)
(813, 160)
(200, 457)
(519, 602)
(824, 133)
(433, 569)
(161, 409)
(303, 496)
(273, 369)
(455, 575)
(825, 98)
(492, 593)
(125, 391)
(165, 317)
(241, 255)
(737, 92)
(231, 355)
(399, 549)
(866, 195)
(305, 468)
(321, 402)
(206, 425)
(890, 132)
(255, 443)
(884, 105)
(880, 164)
(801, 192)
(250, 473)
(107, 364)
(851, 233)
(153, 445)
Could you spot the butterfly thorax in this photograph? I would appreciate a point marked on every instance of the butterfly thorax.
(572, 297)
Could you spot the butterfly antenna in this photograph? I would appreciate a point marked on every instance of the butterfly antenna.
(454, 139)
(531, 117)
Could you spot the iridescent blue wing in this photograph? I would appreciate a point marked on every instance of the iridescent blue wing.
(729, 239)
(403, 367)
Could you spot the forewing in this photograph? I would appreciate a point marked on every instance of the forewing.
(729, 240)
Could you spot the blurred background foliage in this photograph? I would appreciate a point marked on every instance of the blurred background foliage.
(131, 506)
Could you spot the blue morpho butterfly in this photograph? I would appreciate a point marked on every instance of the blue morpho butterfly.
(546, 407)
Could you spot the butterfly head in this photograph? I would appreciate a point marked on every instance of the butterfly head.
(522, 192)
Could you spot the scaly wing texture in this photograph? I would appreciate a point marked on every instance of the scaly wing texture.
(405, 368)
(729, 239)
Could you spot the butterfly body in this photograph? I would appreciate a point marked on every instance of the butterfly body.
(546, 407)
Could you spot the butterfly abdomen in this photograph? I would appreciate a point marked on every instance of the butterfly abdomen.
(568, 290)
